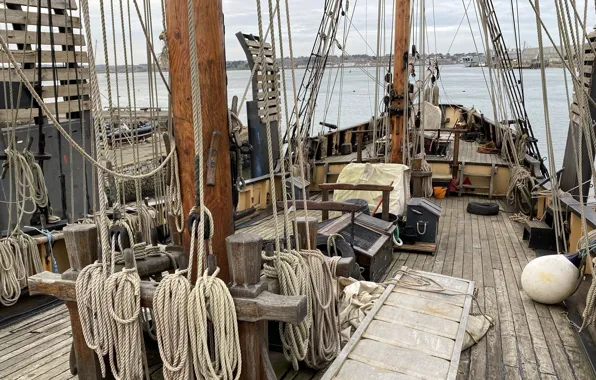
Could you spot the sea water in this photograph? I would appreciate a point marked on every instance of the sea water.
(457, 84)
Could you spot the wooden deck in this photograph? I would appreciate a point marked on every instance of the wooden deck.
(38, 347)
(528, 341)
(468, 152)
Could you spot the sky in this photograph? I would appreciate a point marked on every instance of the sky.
(447, 26)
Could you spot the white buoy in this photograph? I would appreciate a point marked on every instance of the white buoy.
(550, 279)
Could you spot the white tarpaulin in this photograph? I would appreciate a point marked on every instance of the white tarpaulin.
(396, 175)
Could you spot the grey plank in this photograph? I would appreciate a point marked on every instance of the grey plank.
(494, 352)
(447, 297)
(355, 370)
(447, 268)
(436, 308)
(558, 354)
(36, 352)
(508, 338)
(409, 338)
(419, 321)
(54, 358)
(545, 362)
(447, 282)
(399, 360)
(355, 338)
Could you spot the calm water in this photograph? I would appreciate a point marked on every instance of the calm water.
(461, 85)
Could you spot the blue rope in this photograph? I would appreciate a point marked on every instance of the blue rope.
(50, 237)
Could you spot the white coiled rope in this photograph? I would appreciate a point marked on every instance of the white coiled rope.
(291, 272)
(124, 292)
(19, 259)
(170, 308)
(93, 306)
(211, 301)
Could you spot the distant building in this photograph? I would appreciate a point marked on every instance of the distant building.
(531, 56)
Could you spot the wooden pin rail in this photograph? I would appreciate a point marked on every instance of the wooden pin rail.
(386, 190)
(254, 304)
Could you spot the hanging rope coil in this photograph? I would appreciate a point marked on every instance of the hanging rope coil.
(93, 306)
(124, 292)
(19, 259)
(290, 270)
(324, 342)
(210, 301)
(520, 189)
(170, 308)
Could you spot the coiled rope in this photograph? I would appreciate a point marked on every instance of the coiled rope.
(123, 290)
(182, 315)
(303, 271)
(19, 258)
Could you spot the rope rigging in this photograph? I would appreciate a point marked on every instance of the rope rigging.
(300, 271)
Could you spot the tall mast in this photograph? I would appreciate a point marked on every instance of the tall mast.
(400, 75)
(209, 26)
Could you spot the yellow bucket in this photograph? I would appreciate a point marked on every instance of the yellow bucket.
(440, 192)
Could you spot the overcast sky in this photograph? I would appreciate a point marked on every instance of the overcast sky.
(442, 19)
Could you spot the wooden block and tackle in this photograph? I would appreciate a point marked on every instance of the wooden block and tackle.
(253, 302)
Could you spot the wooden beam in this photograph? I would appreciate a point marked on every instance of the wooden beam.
(47, 74)
(46, 56)
(27, 113)
(66, 90)
(320, 206)
(400, 76)
(56, 4)
(13, 16)
(312, 225)
(355, 186)
(24, 37)
(211, 65)
(267, 306)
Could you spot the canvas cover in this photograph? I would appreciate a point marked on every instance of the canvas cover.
(396, 175)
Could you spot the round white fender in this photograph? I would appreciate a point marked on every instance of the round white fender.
(550, 279)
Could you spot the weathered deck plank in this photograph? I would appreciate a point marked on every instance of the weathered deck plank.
(529, 340)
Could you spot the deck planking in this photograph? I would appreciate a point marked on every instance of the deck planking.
(529, 340)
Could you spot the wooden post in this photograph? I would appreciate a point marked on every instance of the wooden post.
(176, 244)
(325, 198)
(244, 257)
(211, 56)
(400, 75)
(312, 225)
(455, 167)
(359, 139)
(385, 205)
(81, 247)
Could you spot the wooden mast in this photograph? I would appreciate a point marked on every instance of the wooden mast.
(400, 75)
(209, 26)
